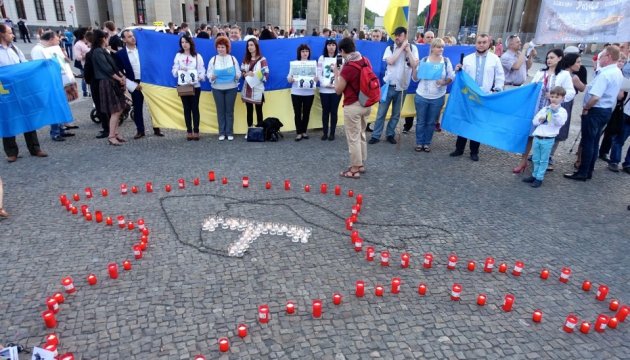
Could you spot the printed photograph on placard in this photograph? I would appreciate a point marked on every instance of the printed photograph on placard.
(304, 73)
(185, 77)
(328, 72)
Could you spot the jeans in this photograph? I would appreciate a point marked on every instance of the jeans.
(396, 98)
(592, 126)
(83, 83)
(617, 144)
(224, 100)
(427, 113)
(302, 110)
(330, 107)
(541, 149)
(56, 130)
(68, 47)
(191, 111)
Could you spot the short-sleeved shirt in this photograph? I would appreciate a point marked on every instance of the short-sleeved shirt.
(352, 75)
(606, 86)
(513, 77)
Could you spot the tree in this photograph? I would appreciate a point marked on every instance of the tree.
(369, 18)
(338, 10)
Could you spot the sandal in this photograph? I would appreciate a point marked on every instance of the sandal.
(419, 148)
(361, 169)
(426, 148)
(350, 174)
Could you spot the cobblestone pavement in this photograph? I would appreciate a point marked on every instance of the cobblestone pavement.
(184, 294)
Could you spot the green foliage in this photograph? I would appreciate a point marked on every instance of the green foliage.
(338, 10)
(368, 19)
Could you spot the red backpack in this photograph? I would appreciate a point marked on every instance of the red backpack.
(369, 86)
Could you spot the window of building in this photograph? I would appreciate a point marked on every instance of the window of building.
(59, 10)
(141, 12)
(210, 20)
(19, 5)
(196, 13)
(184, 12)
(39, 10)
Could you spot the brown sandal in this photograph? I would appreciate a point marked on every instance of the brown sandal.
(3, 213)
(350, 174)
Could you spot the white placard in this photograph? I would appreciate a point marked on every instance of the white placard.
(185, 77)
(42, 354)
(304, 73)
(328, 72)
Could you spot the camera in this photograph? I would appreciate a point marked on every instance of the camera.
(339, 60)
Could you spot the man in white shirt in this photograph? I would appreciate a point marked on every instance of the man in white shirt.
(600, 98)
(401, 58)
(486, 69)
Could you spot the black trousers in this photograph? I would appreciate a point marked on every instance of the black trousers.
(302, 110)
(138, 118)
(408, 123)
(25, 36)
(191, 111)
(96, 98)
(460, 145)
(250, 114)
(330, 108)
(32, 142)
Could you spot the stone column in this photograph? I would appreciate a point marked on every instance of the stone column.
(279, 13)
(94, 12)
(257, 5)
(485, 16)
(203, 4)
(500, 18)
(123, 13)
(190, 14)
(530, 16)
(316, 15)
(516, 17)
(231, 11)
(450, 17)
(223, 11)
(176, 13)
(356, 13)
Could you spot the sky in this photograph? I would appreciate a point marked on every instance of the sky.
(379, 6)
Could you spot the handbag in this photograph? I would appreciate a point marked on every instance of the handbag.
(255, 134)
(185, 90)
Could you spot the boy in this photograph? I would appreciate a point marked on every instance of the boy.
(548, 122)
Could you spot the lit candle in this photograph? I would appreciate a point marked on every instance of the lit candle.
(422, 289)
(471, 266)
(52, 304)
(104, 192)
(109, 221)
(452, 262)
(143, 245)
(317, 308)
(565, 274)
(287, 185)
(378, 290)
(614, 305)
(622, 314)
(481, 299)
(488, 265)
(385, 258)
(123, 189)
(134, 189)
(428, 260)
(307, 188)
(66, 356)
(242, 330)
(370, 253)
(337, 298)
(263, 314)
(200, 357)
(350, 193)
(181, 183)
(112, 268)
(99, 216)
(245, 181)
(224, 180)
(268, 185)
(130, 225)
(149, 186)
(49, 319)
(84, 209)
(52, 339)
(612, 323)
(508, 302)
(360, 288)
(537, 316)
(456, 292)
(585, 327)
(76, 197)
(211, 176)
(601, 323)
(348, 224)
(586, 285)
(91, 279)
(145, 231)
(518, 268)
(137, 252)
(544, 274)
(88, 216)
(323, 188)
(68, 284)
(602, 292)
(59, 297)
(290, 307)
(74, 210)
(88, 193)
(396, 285)
(404, 260)
(570, 323)
(53, 349)
(168, 187)
(337, 190)
(502, 267)
(358, 244)
(63, 199)
(127, 265)
(224, 344)
(359, 198)
(196, 181)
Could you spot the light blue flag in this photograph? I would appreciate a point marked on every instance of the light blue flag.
(502, 120)
(31, 97)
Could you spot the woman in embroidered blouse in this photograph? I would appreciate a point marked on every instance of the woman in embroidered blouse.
(302, 97)
(255, 68)
(188, 59)
(224, 73)
(328, 96)
(434, 72)
(550, 76)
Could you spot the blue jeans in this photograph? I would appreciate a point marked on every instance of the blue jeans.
(540, 156)
(427, 113)
(592, 126)
(395, 97)
(224, 100)
(56, 130)
(617, 144)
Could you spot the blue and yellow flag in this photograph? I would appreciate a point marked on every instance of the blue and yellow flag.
(502, 120)
(31, 97)
(396, 15)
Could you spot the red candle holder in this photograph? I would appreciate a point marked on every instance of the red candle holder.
(307, 188)
(49, 319)
(614, 305)
(537, 316)
(452, 262)
(337, 297)
(104, 192)
(502, 267)
(143, 245)
(422, 289)
(242, 330)
(196, 181)
(323, 188)
(456, 292)
(91, 279)
(396, 285)
(360, 288)
(349, 224)
(66, 356)
(544, 274)
(290, 307)
(59, 297)
(268, 185)
(88, 216)
(378, 290)
(76, 197)
(359, 199)
(211, 176)
(623, 313)
(471, 266)
(508, 302)
(385, 258)
(564, 275)
(287, 185)
(145, 231)
(358, 244)
(68, 285)
(224, 344)
(168, 188)
(53, 349)
(404, 260)
(518, 268)
(149, 186)
(586, 285)
(570, 323)
(602, 292)
(613, 322)
(74, 210)
(350, 193)
(88, 193)
(488, 265)
(69, 206)
(127, 265)
(52, 339)
(317, 308)
(370, 253)
(181, 183)
(123, 189)
(199, 357)
(52, 304)
(140, 224)
(481, 299)
(601, 323)
(84, 209)
(112, 268)
(245, 181)
(428, 261)
(224, 180)
(337, 190)
(134, 189)
(121, 221)
(137, 252)
(263, 314)
(63, 199)
(585, 327)
(98, 215)
(130, 225)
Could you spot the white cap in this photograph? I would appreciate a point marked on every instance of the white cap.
(571, 50)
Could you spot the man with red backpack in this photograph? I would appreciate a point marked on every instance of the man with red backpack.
(361, 89)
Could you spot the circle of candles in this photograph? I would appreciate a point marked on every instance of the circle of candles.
(537, 316)
(396, 285)
(370, 253)
(123, 189)
(59, 297)
(337, 298)
(49, 319)
(168, 187)
(149, 186)
(76, 197)
(224, 344)
(378, 290)
(134, 189)
(68, 284)
(565, 274)
(358, 245)
(488, 265)
(601, 323)
(359, 199)
(508, 302)
(181, 183)
(52, 339)
(317, 308)
(268, 185)
(502, 267)
(127, 265)
(471, 266)
(211, 176)
(544, 274)
(622, 314)
(586, 285)
(104, 192)
(481, 299)
(518, 268)
(323, 188)
(91, 279)
(245, 181)
(224, 180)
(570, 323)
(428, 261)
(452, 262)
(612, 323)
(242, 330)
(287, 185)
(52, 304)
(404, 260)
(350, 193)
(98, 215)
(456, 292)
(112, 268)
(290, 307)
(109, 221)
(422, 289)
(196, 181)
(385, 258)
(602, 292)
(337, 190)
(585, 327)
(360, 288)
(263, 314)
(614, 305)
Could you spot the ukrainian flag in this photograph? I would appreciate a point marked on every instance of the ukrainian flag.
(396, 15)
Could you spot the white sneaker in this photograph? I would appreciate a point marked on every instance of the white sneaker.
(245, 137)
(230, 138)
(221, 138)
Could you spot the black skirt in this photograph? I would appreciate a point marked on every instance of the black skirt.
(112, 96)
